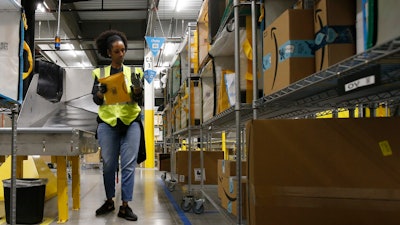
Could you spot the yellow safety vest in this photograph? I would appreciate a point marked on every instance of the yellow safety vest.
(126, 112)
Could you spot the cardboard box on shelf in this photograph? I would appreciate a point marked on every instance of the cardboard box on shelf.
(288, 53)
(209, 170)
(334, 25)
(226, 169)
(324, 171)
(229, 199)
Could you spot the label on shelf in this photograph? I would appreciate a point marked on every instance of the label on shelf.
(362, 82)
(363, 79)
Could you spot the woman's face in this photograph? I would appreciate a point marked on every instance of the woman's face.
(117, 52)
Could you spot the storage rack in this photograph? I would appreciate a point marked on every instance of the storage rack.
(318, 92)
(188, 131)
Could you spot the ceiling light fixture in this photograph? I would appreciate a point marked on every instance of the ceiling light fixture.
(40, 8)
(179, 5)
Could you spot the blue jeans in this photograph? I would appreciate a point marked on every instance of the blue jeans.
(114, 144)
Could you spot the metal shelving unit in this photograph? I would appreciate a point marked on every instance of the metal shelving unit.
(321, 91)
(324, 90)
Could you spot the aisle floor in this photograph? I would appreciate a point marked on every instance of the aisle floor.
(153, 202)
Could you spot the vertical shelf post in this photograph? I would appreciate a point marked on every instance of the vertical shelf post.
(13, 189)
(236, 5)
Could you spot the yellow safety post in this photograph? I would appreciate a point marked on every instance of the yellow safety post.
(223, 142)
(149, 135)
(76, 188)
(62, 189)
(382, 111)
(183, 145)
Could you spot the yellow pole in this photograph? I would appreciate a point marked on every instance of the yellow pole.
(76, 188)
(62, 189)
(223, 140)
(149, 135)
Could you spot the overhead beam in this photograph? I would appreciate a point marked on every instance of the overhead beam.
(133, 29)
(99, 10)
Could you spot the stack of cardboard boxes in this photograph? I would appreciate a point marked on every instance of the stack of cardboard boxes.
(303, 41)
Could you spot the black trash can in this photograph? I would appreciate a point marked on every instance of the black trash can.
(30, 200)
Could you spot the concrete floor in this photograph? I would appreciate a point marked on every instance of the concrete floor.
(153, 202)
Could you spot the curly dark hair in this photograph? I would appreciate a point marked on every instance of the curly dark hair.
(105, 40)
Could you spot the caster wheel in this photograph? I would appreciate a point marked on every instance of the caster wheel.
(171, 187)
(164, 176)
(199, 209)
(186, 206)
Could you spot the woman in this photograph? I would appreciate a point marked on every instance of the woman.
(120, 131)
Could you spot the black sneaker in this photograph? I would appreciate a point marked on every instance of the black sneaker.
(126, 213)
(105, 208)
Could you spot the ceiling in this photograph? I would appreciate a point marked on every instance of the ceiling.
(81, 21)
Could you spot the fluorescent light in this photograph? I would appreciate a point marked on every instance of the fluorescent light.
(40, 8)
(179, 5)
(169, 49)
(69, 46)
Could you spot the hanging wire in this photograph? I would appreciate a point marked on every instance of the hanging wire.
(58, 19)
(149, 26)
(159, 21)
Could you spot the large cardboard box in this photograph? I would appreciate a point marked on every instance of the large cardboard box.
(288, 52)
(209, 170)
(334, 24)
(324, 171)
